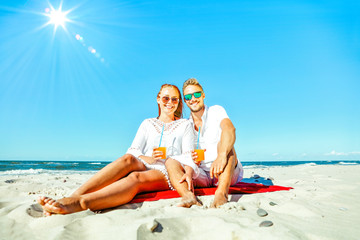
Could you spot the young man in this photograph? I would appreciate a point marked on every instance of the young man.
(217, 135)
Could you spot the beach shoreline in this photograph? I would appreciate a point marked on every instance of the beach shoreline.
(323, 204)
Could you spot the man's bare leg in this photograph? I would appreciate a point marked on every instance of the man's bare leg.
(115, 194)
(224, 181)
(176, 171)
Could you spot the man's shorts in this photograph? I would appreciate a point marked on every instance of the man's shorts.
(204, 179)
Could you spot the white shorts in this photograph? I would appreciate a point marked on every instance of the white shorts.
(204, 179)
(160, 166)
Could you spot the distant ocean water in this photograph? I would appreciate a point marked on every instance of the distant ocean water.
(10, 167)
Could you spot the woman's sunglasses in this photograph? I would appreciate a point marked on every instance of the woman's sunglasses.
(166, 99)
(188, 97)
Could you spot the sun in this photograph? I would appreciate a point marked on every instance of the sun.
(56, 17)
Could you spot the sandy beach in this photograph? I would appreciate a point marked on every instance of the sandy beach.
(323, 204)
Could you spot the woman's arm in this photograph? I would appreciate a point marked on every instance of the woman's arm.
(157, 155)
(137, 147)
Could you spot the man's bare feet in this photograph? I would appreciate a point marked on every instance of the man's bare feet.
(61, 206)
(219, 199)
(189, 200)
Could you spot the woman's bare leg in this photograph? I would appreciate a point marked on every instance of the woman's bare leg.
(110, 174)
(107, 175)
(115, 194)
(176, 172)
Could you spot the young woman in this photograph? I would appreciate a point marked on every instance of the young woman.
(142, 168)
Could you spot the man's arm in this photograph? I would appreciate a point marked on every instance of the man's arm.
(225, 145)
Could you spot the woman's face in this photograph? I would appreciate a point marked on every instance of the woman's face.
(168, 100)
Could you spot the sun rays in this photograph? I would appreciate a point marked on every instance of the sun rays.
(57, 17)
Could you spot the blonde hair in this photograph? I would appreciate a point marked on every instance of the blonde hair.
(191, 81)
(178, 113)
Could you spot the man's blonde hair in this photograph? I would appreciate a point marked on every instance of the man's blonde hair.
(191, 81)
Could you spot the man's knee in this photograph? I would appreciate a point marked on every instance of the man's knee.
(172, 163)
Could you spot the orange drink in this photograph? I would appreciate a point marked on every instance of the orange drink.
(163, 150)
(200, 153)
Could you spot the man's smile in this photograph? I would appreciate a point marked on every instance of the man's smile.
(194, 104)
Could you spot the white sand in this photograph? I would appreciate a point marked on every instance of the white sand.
(324, 204)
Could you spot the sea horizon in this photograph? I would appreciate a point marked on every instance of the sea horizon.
(53, 167)
(92, 160)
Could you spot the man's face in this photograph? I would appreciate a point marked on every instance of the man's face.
(195, 104)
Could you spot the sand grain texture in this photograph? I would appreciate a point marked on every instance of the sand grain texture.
(324, 204)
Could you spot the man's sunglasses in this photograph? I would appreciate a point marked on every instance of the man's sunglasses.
(166, 99)
(188, 97)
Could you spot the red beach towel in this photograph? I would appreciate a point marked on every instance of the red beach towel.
(239, 188)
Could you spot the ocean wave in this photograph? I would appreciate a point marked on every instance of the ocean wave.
(348, 163)
(23, 172)
(95, 163)
(43, 171)
(254, 166)
(310, 164)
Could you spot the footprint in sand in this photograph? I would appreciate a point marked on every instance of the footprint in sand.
(35, 210)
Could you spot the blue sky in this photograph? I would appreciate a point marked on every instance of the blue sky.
(287, 72)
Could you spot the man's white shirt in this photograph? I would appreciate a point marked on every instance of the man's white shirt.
(210, 133)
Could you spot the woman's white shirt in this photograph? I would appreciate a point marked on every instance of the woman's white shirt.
(177, 137)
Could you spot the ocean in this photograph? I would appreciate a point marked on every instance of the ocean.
(33, 167)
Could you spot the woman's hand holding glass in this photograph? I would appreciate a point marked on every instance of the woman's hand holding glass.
(156, 155)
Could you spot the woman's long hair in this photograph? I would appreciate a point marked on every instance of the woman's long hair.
(178, 113)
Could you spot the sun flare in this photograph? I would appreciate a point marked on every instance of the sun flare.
(56, 17)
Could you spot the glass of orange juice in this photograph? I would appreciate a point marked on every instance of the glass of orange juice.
(200, 154)
(163, 150)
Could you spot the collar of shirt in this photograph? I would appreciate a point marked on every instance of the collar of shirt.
(203, 118)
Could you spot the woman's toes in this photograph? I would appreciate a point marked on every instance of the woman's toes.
(40, 200)
(46, 213)
(52, 207)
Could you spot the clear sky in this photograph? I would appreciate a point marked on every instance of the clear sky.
(287, 72)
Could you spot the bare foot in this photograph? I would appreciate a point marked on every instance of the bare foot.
(219, 199)
(61, 206)
(189, 200)
(42, 201)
